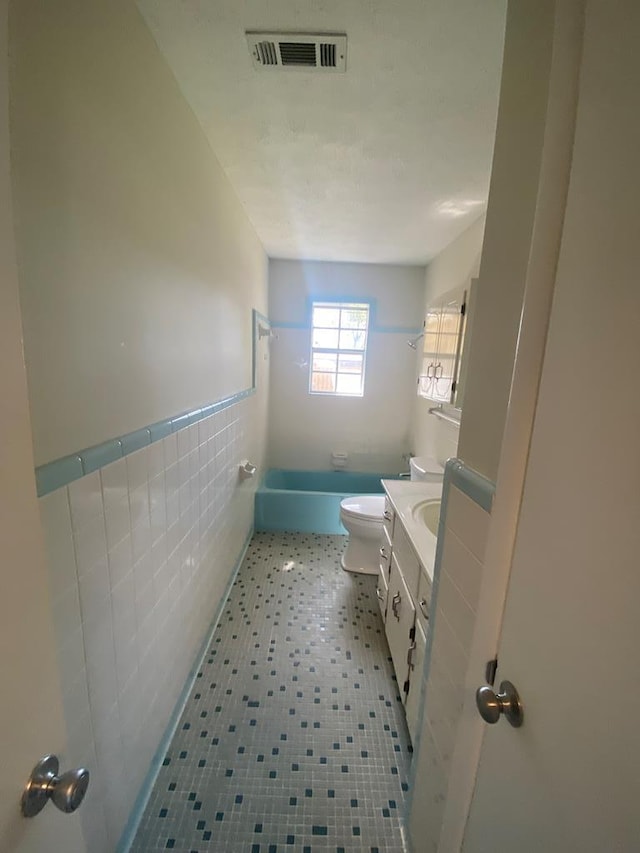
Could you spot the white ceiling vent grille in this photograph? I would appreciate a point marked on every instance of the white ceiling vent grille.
(298, 51)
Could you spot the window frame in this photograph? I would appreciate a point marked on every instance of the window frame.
(341, 304)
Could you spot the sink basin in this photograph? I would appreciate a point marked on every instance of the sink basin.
(427, 513)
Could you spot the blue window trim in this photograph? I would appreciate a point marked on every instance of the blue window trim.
(374, 327)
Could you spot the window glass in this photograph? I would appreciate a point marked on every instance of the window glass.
(349, 384)
(325, 338)
(338, 348)
(350, 364)
(325, 361)
(353, 338)
(326, 318)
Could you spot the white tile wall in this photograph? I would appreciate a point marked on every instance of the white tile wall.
(140, 554)
(466, 527)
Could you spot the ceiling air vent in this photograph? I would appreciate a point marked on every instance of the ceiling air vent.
(298, 51)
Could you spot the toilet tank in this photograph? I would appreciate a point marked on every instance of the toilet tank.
(426, 468)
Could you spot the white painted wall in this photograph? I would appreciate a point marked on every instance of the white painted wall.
(511, 208)
(373, 429)
(138, 267)
(138, 271)
(453, 268)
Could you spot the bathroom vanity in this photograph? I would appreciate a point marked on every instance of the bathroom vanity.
(407, 557)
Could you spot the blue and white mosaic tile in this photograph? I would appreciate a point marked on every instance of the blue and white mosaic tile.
(293, 738)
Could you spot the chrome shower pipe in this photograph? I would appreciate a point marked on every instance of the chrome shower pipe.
(415, 340)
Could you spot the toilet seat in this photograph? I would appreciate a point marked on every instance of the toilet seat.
(364, 507)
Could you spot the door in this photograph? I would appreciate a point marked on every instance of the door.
(569, 779)
(30, 710)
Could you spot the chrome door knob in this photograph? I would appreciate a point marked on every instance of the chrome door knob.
(492, 705)
(66, 791)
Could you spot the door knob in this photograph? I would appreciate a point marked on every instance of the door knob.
(65, 791)
(491, 705)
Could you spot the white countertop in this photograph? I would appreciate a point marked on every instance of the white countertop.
(404, 496)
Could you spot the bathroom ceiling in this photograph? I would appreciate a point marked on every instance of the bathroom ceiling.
(386, 163)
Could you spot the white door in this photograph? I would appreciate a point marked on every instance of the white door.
(31, 722)
(569, 779)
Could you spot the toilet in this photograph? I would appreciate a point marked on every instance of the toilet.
(362, 516)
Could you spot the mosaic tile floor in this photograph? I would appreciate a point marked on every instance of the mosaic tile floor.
(293, 738)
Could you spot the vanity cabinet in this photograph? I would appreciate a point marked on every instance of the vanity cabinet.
(412, 705)
(382, 590)
(404, 594)
(401, 618)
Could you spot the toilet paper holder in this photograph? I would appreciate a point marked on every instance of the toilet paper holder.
(247, 469)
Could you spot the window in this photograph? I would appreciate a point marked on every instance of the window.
(338, 348)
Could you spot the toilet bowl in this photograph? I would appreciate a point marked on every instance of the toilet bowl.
(426, 469)
(362, 517)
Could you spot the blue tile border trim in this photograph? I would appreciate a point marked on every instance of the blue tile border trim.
(481, 491)
(129, 832)
(57, 474)
(60, 472)
(135, 440)
(374, 326)
(160, 430)
(100, 455)
(63, 471)
(474, 485)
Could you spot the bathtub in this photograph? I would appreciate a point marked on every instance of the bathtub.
(309, 501)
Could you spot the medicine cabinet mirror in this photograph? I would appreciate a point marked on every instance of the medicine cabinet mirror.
(445, 348)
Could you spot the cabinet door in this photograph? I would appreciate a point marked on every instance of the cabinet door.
(401, 615)
(382, 591)
(423, 600)
(388, 518)
(385, 556)
(412, 707)
(408, 563)
(442, 345)
(449, 345)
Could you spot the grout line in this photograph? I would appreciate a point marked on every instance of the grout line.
(129, 832)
